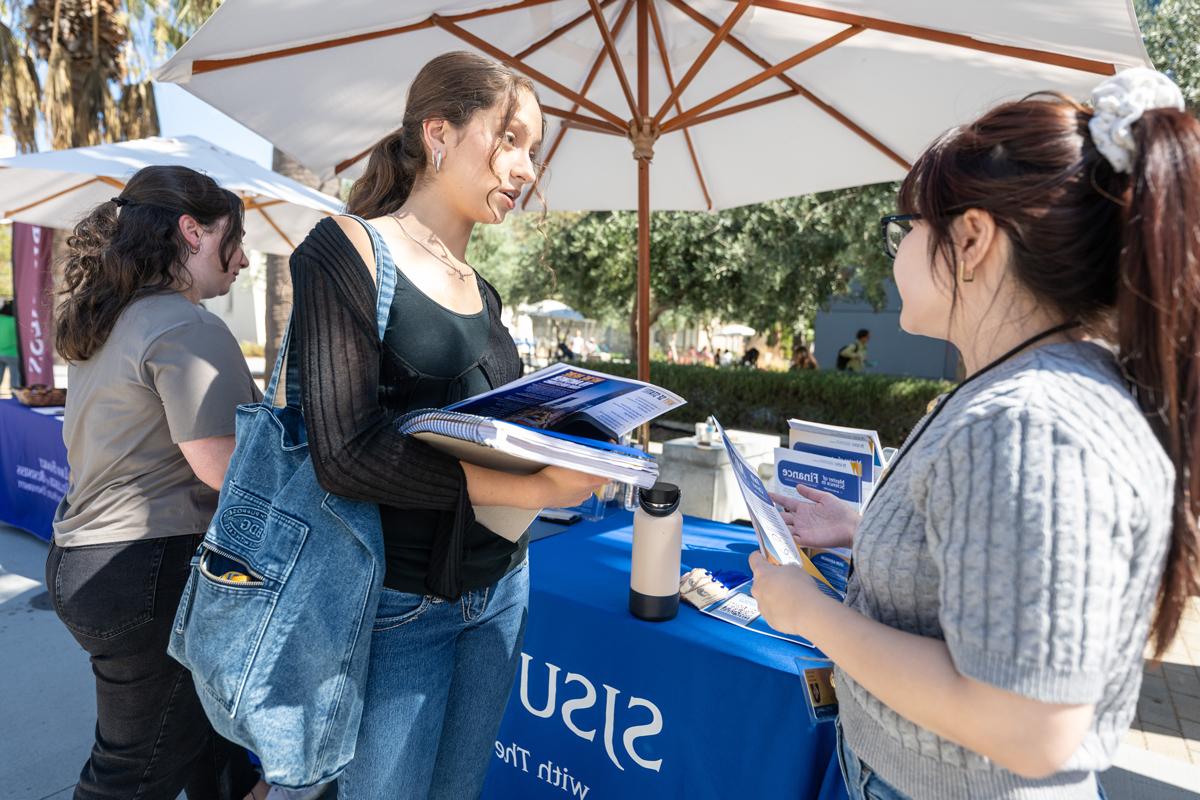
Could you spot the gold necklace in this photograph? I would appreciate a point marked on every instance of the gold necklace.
(444, 257)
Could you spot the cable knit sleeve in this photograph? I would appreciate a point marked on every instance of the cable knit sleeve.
(1025, 526)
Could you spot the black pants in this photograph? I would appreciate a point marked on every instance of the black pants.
(152, 737)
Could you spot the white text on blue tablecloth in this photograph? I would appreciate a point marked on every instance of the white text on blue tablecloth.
(555, 775)
(48, 479)
(581, 703)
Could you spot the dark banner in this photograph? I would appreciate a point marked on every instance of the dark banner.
(32, 284)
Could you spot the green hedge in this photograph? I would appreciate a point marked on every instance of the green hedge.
(762, 400)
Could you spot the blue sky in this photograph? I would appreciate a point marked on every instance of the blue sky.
(180, 113)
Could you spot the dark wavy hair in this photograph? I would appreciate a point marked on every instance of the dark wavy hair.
(1119, 252)
(131, 246)
(454, 87)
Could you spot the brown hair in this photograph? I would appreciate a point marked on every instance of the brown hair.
(1119, 252)
(453, 86)
(131, 246)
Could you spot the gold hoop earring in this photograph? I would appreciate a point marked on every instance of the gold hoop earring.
(963, 275)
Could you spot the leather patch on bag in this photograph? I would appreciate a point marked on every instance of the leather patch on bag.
(245, 524)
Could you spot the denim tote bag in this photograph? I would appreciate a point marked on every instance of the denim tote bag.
(275, 621)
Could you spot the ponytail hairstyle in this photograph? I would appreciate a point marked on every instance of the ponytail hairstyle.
(453, 86)
(1118, 251)
(131, 246)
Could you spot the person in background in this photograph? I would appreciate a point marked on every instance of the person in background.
(10, 354)
(1040, 524)
(803, 358)
(579, 345)
(853, 357)
(750, 358)
(155, 381)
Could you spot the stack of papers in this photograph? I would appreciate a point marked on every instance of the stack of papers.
(846, 462)
(560, 416)
(529, 448)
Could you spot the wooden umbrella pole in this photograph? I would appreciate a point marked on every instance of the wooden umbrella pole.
(643, 137)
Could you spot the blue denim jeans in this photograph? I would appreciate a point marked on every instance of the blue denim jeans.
(438, 682)
(863, 784)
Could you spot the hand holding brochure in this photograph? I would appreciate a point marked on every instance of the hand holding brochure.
(559, 416)
(836, 476)
(774, 538)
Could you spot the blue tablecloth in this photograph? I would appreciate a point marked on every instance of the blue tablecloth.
(607, 706)
(33, 468)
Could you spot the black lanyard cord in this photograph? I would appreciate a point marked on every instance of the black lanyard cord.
(945, 401)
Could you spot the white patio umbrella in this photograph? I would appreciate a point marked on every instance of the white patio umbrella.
(58, 187)
(736, 330)
(735, 101)
(553, 309)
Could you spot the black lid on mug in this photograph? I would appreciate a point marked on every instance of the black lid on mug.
(660, 499)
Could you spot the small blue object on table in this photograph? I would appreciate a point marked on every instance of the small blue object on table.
(33, 468)
(607, 706)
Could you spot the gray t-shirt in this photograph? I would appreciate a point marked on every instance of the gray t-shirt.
(169, 372)
(1027, 527)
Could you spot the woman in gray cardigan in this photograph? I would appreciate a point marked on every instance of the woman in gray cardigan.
(1040, 524)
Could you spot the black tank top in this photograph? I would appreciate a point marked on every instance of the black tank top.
(440, 352)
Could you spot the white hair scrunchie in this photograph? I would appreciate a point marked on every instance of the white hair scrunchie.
(1119, 102)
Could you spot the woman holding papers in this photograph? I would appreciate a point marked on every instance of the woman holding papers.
(1040, 524)
(448, 633)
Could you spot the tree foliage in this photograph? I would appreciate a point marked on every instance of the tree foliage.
(1171, 32)
(770, 265)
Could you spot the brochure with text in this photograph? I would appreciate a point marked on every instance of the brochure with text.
(856, 445)
(774, 538)
(836, 476)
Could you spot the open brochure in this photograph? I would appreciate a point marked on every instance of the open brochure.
(561, 416)
(774, 538)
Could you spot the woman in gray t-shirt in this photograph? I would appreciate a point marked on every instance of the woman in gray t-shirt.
(1040, 524)
(154, 382)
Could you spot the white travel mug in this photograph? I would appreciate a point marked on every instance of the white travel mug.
(657, 543)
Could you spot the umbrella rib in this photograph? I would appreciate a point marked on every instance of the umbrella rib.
(587, 85)
(350, 162)
(765, 75)
(278, 230)
(446, 24)
(941, 37)
(559, 31)
(202, 66)
(661, 44)
(610, 45)
(583, 121)
(252, 204)
(747, 106)
(55, 196)
(745, 50)
(702, 59)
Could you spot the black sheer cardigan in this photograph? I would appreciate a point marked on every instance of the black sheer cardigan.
(347, 376)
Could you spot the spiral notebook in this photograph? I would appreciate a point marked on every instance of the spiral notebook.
(561, 416)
